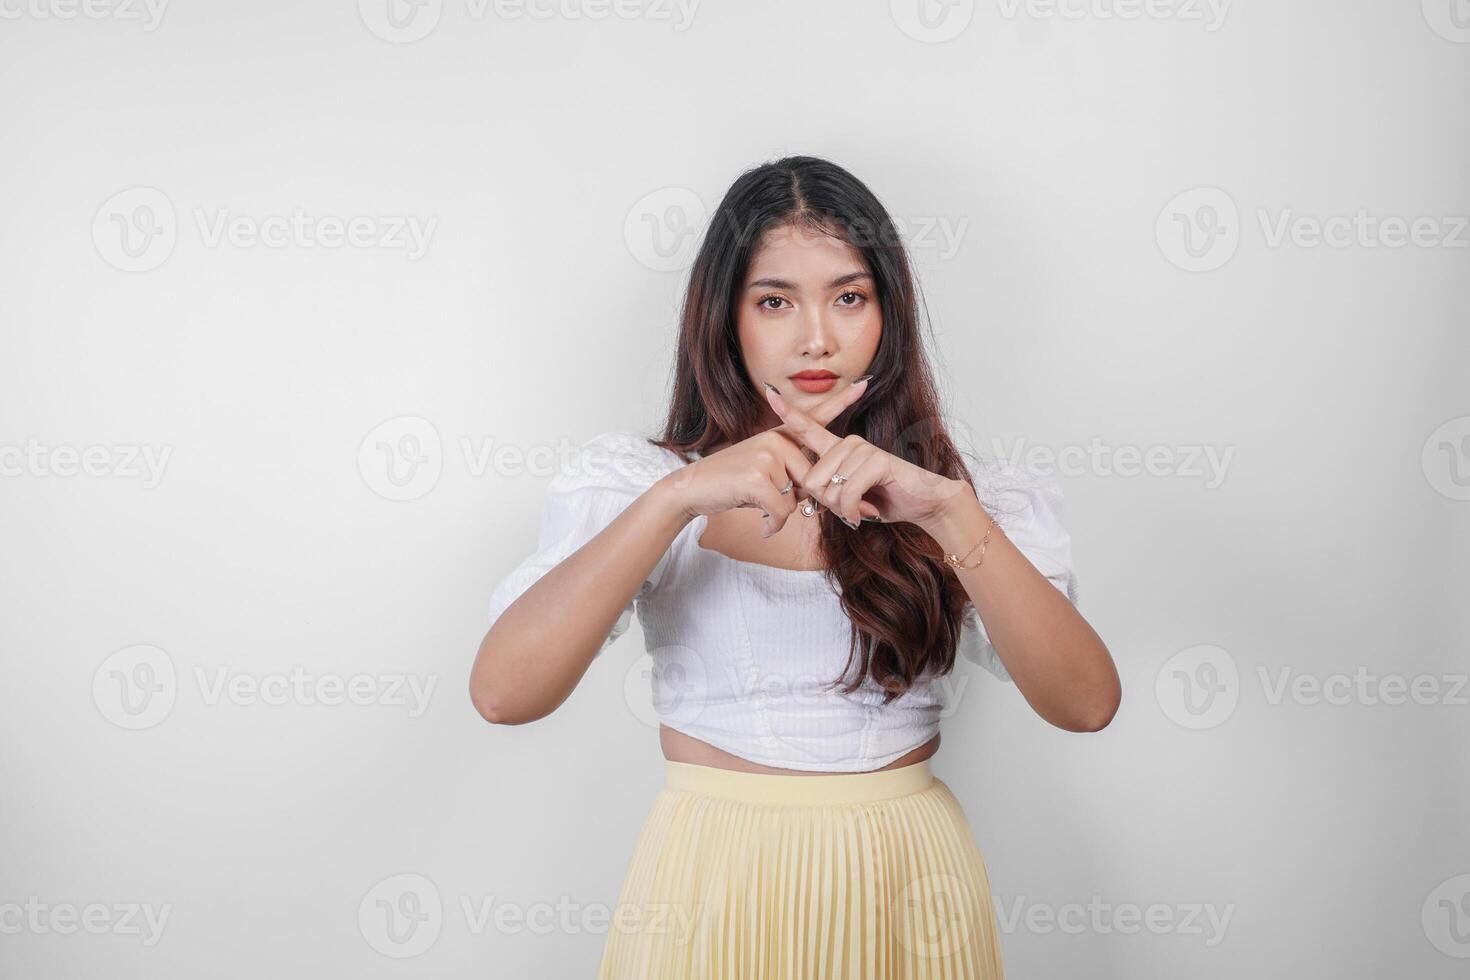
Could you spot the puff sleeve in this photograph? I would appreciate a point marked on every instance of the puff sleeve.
(595, 484)
(1027, 505)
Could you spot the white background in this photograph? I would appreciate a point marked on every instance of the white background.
(1053, 145)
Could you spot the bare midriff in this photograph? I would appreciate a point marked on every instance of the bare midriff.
(679, 747)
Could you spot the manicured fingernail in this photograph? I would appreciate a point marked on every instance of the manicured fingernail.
(847, 522)
(772, 387)
(858, 381)
(875, 520)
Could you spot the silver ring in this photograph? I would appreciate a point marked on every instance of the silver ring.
(837, 478)
(787, 487)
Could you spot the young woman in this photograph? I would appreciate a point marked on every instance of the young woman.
(807, 554)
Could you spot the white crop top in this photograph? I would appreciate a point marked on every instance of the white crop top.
(741, 651)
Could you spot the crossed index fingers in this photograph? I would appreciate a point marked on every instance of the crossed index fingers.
(807, 430)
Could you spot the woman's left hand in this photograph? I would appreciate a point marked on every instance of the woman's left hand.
(900, 490)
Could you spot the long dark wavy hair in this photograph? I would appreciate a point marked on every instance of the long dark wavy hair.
(904, 602)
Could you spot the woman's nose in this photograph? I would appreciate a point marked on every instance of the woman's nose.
(816, 336)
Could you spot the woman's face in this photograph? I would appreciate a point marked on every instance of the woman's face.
(809, 304)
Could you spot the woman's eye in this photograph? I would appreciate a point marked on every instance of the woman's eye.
(766, 299)
(856, 296)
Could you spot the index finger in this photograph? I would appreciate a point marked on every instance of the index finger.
(835, 404)
(801, 426)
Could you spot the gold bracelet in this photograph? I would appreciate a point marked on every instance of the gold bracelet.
(954, 562)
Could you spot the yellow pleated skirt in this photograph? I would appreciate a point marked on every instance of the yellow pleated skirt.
(762, 875)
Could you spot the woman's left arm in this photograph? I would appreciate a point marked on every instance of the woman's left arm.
(1052, 653)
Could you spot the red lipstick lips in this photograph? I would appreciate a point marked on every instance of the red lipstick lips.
(814, 382)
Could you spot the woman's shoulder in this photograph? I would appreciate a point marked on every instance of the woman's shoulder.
(614, 459)
(1013, 488)
(1027, 504)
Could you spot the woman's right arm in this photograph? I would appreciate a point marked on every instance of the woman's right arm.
(540, 646)
(537, 650)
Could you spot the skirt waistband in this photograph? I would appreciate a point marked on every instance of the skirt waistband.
(781, 788)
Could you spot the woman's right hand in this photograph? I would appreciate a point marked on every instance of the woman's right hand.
(751, 473)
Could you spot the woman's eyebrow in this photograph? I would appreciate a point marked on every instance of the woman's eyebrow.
(771, 282)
